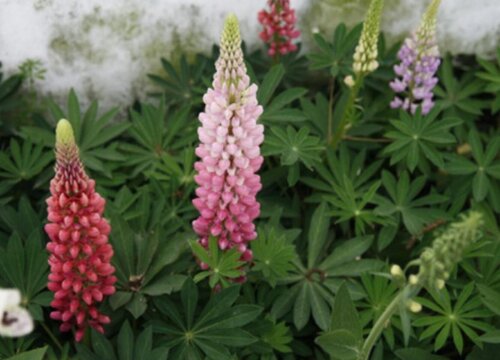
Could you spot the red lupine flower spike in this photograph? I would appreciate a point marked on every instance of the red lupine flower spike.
(279, 27)
(81, 274)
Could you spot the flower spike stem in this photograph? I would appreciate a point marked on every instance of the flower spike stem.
(364, 62)
(349, 112)
(407, 292)
(435, 265)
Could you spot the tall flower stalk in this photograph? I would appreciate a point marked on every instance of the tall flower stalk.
(435, 265)
(279, 28)
(420, 60)
(229, 152)
(364, 62)
(81, 274)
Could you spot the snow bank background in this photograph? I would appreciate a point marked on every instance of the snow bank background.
(103, 49)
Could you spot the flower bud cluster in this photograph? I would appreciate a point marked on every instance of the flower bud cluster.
(365, 55)
(437, 262)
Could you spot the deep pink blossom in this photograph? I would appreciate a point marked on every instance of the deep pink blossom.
(279, 27)
(81, 274)
(229, 152)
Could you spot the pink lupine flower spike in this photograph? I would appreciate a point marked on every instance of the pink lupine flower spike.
(229, 152)
(81, 274)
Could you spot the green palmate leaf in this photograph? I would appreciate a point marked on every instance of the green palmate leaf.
(459, 96)
(337, 55)
(222, 266)
(338, 167)
(404, 205)
(211, 331)
(156, 131)
(95, 135)
(453, 320)
(293, 146)
(144, 254)
(311, 294)
(483, 169)
(23, 162)
(352, 205)
(418, 137)
(184, 82)
(273, 255)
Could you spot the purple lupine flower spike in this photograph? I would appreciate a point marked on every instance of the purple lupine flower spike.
(420, 60)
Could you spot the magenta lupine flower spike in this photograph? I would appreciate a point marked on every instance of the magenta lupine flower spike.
(420, 60)
(81, 274)
(229, 152)
(279, 27)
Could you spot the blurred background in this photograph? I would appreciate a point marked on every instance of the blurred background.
(104, 49)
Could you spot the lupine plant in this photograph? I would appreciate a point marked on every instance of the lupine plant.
(341, 203)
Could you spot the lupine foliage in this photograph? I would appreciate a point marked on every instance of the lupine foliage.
(350, 187)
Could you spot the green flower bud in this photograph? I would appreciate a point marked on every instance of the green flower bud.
(64, 133)
(349, 81)
(230, 65)
(414, 306)
(413, 279)
(398, 275)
